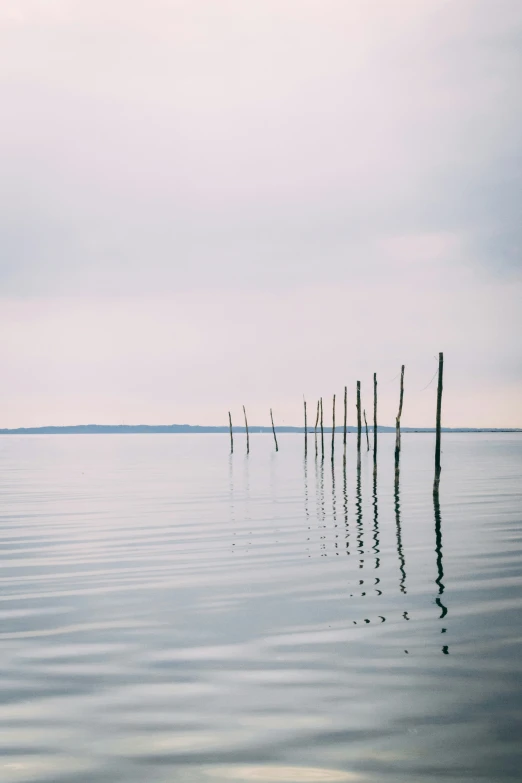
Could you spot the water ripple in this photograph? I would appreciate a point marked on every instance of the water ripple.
(172, 612)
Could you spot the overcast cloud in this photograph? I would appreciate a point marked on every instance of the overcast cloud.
(205, 203)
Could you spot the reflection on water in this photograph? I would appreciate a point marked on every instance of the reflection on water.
(321, 505)
(400, 550)
(375, 520)
(358, 514)
(438, 549)
(306, 503)
(334, 510)
(345, 508)
(281, 774)
(170, 612)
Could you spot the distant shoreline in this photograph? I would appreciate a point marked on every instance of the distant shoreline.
(166, 429)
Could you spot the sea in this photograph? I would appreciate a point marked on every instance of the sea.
(173, 612)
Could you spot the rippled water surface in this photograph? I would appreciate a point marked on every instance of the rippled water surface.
(171, 613)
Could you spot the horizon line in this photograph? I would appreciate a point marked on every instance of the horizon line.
(108, 429)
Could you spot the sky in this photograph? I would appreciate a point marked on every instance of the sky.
(207, 204)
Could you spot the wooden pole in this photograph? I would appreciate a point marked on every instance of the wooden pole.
(437, 437)
(375, 417)
(273, 430)
(398, 419)
(315, 428)
(231, 436)
(366, 425)
(333, 428)
(345, 415)
(358, 416)
(306, 429)
(247, 434)
(322, 430)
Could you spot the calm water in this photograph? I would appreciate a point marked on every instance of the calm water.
(169, 613)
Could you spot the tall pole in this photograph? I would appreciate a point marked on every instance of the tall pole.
(437, 437)
(375, 417)
(345, 415)
(246, 427)
(231, 436)
(358, 417)
(398, 419)
(333, 428)
(306, 429)
(322, 430)
(273, 429)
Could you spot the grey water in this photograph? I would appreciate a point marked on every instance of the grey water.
(170, 612)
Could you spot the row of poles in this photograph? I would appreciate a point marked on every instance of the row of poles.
(319, 423)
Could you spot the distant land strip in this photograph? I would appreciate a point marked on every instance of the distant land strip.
(148, 429)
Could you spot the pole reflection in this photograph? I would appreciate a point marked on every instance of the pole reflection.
(345, 508)
(306, 500)
(375, 519)
(334, 510)
(438, 549)
(400, 551)
(358, 514)
(320, 505)
(247, 512)
(231, 496)
(440, 568)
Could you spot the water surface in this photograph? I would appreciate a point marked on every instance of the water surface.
(171, 613)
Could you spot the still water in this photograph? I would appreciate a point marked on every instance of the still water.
(171, 613)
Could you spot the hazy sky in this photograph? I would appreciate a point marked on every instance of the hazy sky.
(205, 203)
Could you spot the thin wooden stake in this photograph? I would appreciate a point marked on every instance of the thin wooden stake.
(438, 425)
(246, 427)
(273, 430)
(398, 419)
(345, 415)
(358, 416)
(315, 428)
(306, 429)
(333, 428)
(366, 425)
(231, 436)
(375, 417)
(322, 430)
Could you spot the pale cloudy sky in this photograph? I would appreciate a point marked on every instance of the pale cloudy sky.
(205, 203)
